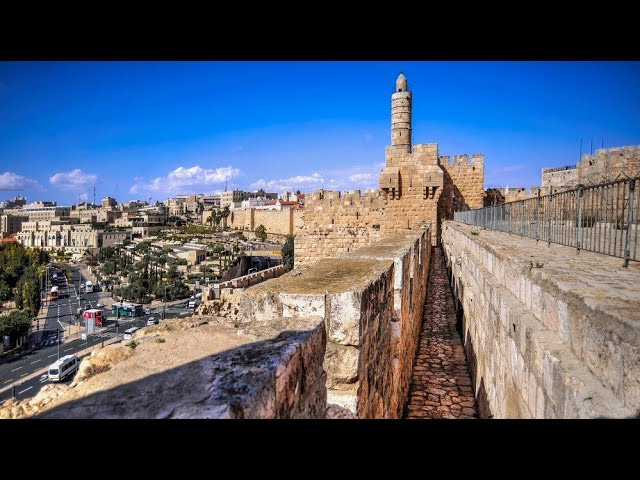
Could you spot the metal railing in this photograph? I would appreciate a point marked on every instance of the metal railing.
(601, 218)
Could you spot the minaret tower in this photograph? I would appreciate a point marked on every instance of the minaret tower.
(401, 114)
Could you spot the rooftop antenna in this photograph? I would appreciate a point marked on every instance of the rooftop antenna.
(591, 145)
(226, 181)
(94, 193)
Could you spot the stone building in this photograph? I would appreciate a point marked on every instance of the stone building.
(143, 224)
(109, 202)
(417, 187)
(230, 197)
(74, 238)
(559, 179)
(11, 224)
(15, 202)
(41, 211)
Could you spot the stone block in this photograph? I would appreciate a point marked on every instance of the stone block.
(603, 356)
(341, 364)
(631, 375)
(302, 305)
(344, 319)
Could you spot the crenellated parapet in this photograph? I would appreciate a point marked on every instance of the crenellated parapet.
(463, 183)
(462, 162)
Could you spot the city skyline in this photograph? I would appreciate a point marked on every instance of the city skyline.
(140, 130)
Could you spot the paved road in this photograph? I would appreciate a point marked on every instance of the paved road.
(62, 314)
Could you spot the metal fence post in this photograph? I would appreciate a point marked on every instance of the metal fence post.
(522, 219)
(627, 245)
(549, 223)
(493, 210)
(538, 218)
(579, 225)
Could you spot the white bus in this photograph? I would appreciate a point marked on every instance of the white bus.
(129, 332)
(88, 287)
(63, 367)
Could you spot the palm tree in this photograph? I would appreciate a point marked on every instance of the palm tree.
(225, 212)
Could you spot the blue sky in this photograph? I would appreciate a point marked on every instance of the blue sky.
(140, 130)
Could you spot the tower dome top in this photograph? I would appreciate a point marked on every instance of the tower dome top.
(401, 83)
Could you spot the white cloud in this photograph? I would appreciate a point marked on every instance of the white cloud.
(237, 148)
(83, 197)
(301, 182)
(73, 180)
(9, 181)
(360, 177)
(185, 180)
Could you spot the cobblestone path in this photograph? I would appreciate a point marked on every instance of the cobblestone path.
(440, 383)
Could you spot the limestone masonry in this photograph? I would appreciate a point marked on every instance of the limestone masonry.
(371, 302)
(605, 165)
(416, 188)
(548, 333)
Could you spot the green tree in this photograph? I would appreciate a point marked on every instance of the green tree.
(225, 212)
(288, 253)
(5, 290)
(261, 232)
(15, 325)
(109, 267)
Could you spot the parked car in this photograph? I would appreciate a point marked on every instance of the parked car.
(152, 321)
(147, 311)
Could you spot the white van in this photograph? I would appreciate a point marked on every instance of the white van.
(129, 332)
(62, 368)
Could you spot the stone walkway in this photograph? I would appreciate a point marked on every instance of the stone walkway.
(440, 383)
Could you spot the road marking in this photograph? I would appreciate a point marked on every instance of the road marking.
(8, 381)
(16, 369)
(35, 362)
(25, 373)
(26, 389)
(68, 350)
